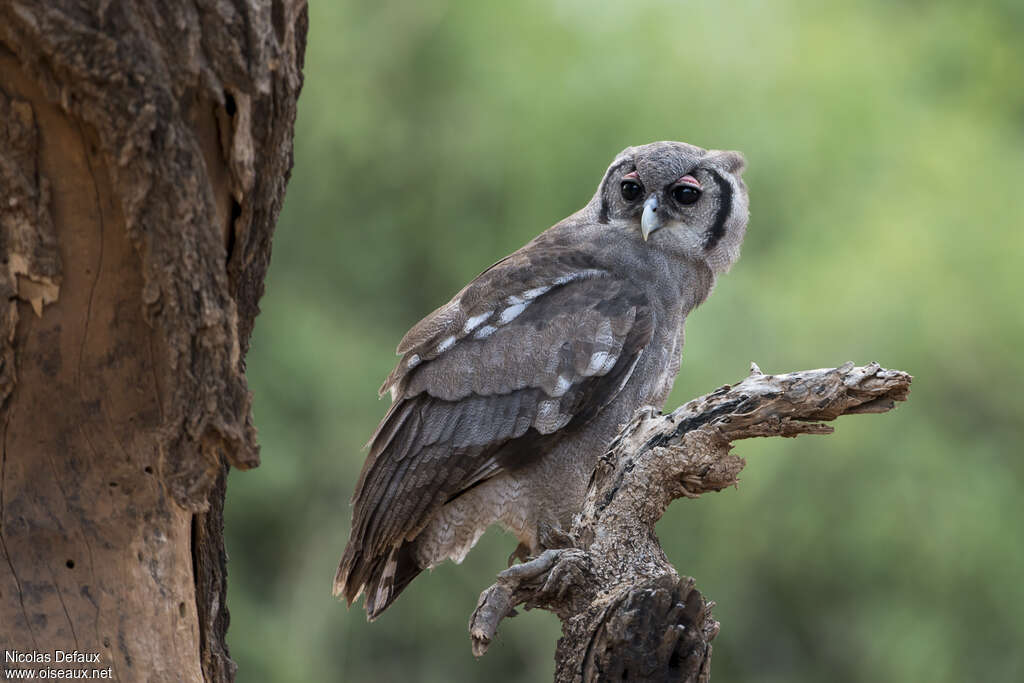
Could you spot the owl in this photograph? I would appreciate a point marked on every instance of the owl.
(506, 396)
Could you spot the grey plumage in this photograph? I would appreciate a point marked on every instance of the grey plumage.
(505, 397)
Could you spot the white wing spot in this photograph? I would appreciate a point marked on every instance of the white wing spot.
(609, 364)
(446, 343)
(597, 362)
(515, 300)
(535, 292)
(578, 275)
(475, 321)
(510, 313)
(413, 361)
(485, 332)
(562, 386)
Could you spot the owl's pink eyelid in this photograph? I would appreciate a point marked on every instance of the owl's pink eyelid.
(689, 180)
(632, 175)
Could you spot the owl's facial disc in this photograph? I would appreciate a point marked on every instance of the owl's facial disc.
(693, 198)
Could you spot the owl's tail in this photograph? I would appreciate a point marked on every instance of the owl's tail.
(382, 577)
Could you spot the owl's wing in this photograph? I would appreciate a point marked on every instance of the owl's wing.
(536, 345)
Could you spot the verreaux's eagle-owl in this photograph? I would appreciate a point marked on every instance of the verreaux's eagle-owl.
(506, 396)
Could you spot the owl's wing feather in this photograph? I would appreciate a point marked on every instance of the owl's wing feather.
(535, 345)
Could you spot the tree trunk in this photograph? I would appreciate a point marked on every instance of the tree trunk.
(144, 152)
(626, 614)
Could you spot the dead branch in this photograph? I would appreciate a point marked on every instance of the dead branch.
(626, 613)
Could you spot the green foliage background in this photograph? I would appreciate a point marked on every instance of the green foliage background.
(885, 144)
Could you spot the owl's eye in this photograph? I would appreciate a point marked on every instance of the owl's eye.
(631, 190)
(685, 194)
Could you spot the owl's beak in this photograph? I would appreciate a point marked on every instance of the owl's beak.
(650, 221)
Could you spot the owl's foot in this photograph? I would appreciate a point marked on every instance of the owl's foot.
(543, 580)
(521, 553)
(552, 575)
(569, 573)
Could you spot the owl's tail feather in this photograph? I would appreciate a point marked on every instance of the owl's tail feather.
(383, 577)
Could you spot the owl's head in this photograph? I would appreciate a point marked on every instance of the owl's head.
(680, 199)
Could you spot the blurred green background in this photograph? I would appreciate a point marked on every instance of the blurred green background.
(885, 146)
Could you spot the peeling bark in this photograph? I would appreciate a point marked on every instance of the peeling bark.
(144, 152)
(626, 613)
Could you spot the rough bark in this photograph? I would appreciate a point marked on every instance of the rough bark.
(626, 613)
(144, 152)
